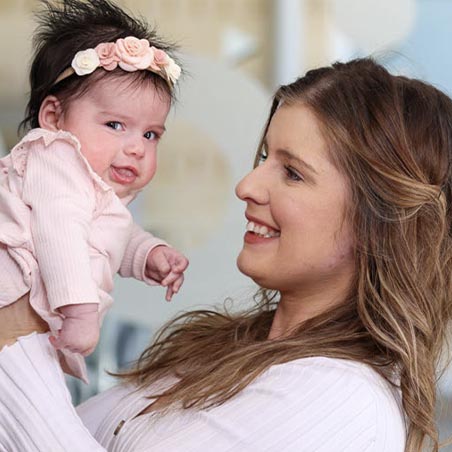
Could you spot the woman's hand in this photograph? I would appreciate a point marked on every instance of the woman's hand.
(19, 319)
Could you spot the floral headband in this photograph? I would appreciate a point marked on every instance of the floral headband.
(130, 54)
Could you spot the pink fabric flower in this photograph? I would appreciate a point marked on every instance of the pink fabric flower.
(130, 54)
(161, 59)
(134, 53)
(107, 55)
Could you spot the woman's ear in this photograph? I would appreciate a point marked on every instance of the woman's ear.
(50, 113)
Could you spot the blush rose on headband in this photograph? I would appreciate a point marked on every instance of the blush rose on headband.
(130, 54)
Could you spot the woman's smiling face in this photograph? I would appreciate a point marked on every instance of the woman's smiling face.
(298, 238)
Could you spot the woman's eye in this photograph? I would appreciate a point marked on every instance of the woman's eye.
(150, 135)
(292, 174)
(114, 125)
(262, 156)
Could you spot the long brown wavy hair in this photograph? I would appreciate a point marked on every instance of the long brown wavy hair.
(392, 138)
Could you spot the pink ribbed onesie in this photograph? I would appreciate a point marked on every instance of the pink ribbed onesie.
(63, 231)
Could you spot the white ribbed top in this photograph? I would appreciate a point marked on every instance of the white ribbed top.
(307, 405)
(312, 404)
(36, 413)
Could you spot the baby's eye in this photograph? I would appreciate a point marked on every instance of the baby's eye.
(151, 135)
(114, 125)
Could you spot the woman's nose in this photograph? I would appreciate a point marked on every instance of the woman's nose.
(253, 187)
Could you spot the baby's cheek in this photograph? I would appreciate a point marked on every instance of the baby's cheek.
(97, 164)
(150, 174)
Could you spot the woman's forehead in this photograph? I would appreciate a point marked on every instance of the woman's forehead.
(296, 129)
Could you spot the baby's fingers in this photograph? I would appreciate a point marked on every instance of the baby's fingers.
(161, 264)
(169, 293)
(178, 283)
(169, 279)
(58, 341)
(181, 264)
(87, 351)
(174, 287)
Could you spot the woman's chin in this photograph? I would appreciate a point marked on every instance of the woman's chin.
(243, 263)
(248, 268)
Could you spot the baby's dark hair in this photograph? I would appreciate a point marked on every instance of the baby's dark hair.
(68, 26)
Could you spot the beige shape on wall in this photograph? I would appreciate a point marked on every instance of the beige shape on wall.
(187, 199)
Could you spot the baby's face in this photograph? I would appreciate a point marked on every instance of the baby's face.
(119, 127)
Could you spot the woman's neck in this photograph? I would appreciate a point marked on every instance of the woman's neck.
(295, 307)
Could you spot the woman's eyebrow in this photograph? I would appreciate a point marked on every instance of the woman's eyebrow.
(291, 156)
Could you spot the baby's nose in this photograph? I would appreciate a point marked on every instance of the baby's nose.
(134, 147)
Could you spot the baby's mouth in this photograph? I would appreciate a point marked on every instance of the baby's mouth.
(123, 174)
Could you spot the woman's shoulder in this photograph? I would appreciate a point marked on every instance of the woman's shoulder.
(343, 396)
(327, 366)
(362, 382)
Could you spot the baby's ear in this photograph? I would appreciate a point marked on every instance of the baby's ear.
(50, 113)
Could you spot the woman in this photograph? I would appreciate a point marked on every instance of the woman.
(349, 216)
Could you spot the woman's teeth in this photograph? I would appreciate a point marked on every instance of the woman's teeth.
(261, 231)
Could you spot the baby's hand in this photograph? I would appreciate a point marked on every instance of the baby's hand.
(166, 266)
(80, 330)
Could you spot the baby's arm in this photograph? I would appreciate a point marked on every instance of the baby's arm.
(59, 190)
(152, 260)
(80, 330)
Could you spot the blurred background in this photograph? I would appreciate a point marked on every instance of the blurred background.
(235, 52)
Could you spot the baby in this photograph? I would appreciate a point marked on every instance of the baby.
(102, 85)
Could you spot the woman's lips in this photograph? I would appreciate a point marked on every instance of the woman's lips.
(252, 238)
(123, 174)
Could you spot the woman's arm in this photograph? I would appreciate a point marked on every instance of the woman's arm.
(19, 319)
(36, 411)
